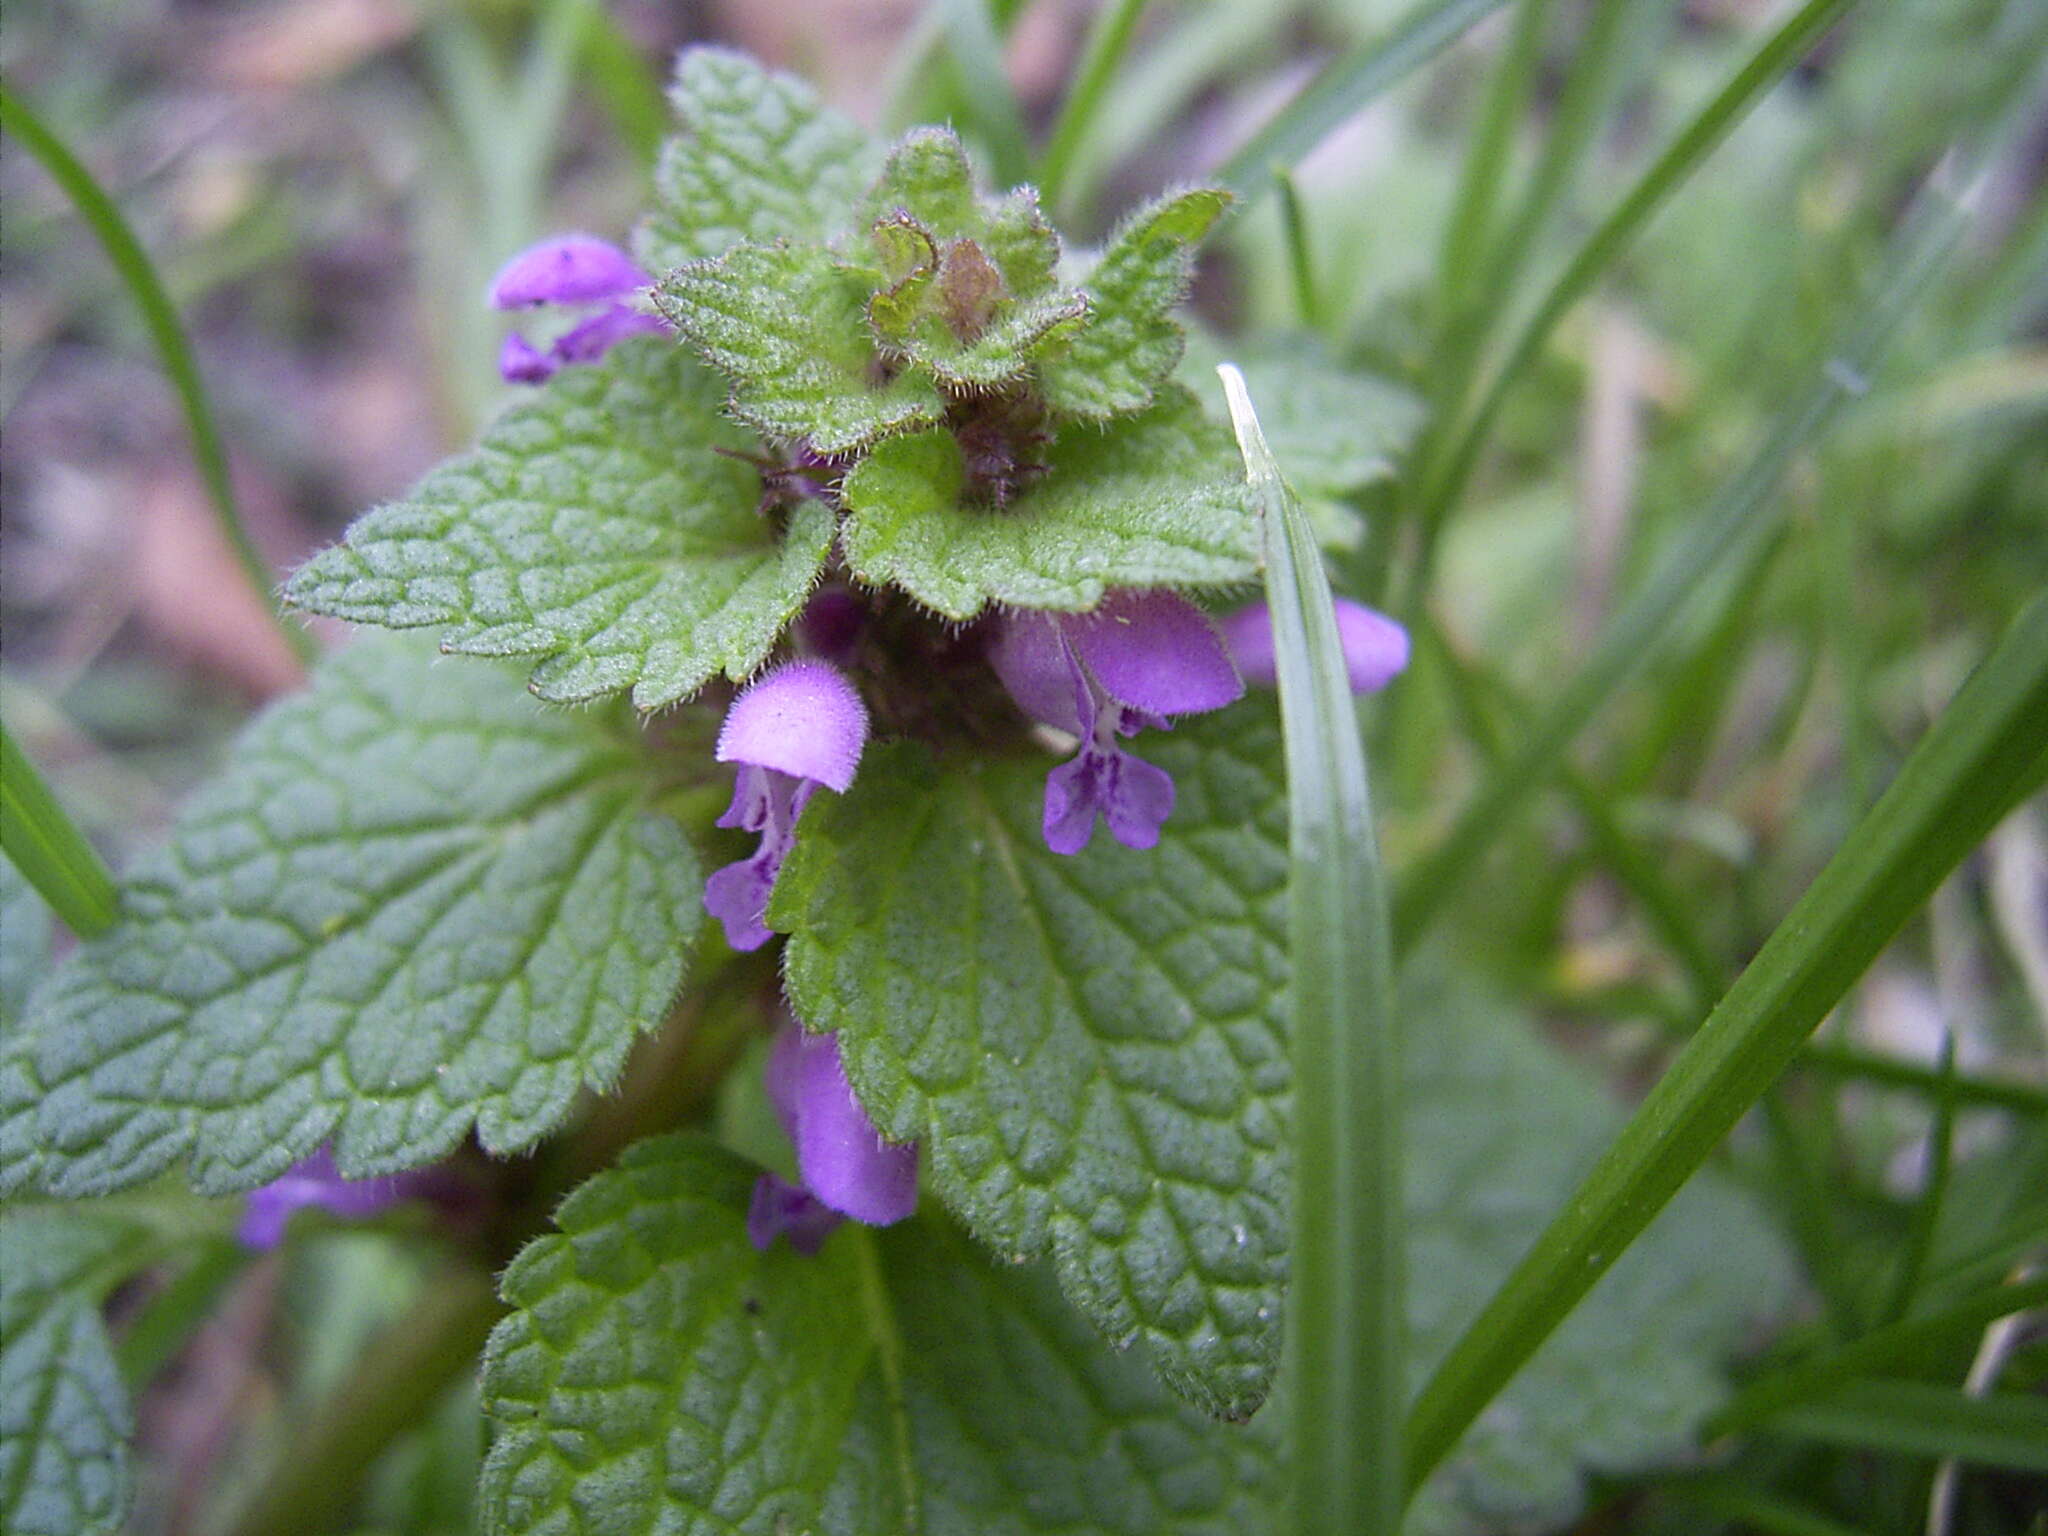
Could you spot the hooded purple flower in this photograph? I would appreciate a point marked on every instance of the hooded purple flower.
(267, 1211)
(791, 730)
(570, 269)
(846, 1168)
(1375, 647)
(1137, 659)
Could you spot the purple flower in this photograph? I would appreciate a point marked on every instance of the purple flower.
(846, 1168)
(570, 269)
(1136, 660)
(791, 730)
(1375, 647)
(267, 1211)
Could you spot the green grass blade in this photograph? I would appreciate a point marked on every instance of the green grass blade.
(1875, 1351)
(1890, 1072)
(987, 101)
(1108, 37)
(1465, 241)
(1741, 518)
(627, 87)
(1345, 86)
(1987, 751)
(1915, 1418)
(49, 850)
(174, 348)
(1300, 259)
(1754, 1509)
(1772, 58)
(1346, 1325)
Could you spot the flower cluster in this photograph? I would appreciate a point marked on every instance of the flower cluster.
(1089, 681)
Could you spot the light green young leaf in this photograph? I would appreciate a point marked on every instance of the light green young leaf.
(1091, 1048)
(1132, 342)
(414, 902)
(1155, 501)
(658, 1368)
(759, 158)
(64, 1413)
(787, 326)
(598, 527)
(979, 300)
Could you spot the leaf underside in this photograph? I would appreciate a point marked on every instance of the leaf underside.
(414, 903)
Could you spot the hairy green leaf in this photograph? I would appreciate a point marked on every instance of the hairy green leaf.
(1092, 1048)
(1155, 501)
(759, 158)
(64, 1413)
(660, 1371)
(413, 903)
(599, 527)
(787, 326)
(1132, 342)
(25, 931)
(973, 297)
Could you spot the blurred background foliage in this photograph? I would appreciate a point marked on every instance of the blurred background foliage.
(326, 185)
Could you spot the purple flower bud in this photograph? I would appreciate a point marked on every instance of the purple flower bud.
(840, 1156)
(1375, 646)
(314, 1181)
(574, 270)
(791, 730)
(1129, 665)
(567, 269)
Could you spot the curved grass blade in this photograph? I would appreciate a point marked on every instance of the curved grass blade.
(49, 850)
(173, 347)
(1877, 1349)
(1346, 1338)
(1744, 515)
(1986, 753)
(987, 99)
(1917, 1418)
(1345, 86)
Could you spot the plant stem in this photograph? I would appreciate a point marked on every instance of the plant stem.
(173, 348)
(398, 1380)
(1346, 1337)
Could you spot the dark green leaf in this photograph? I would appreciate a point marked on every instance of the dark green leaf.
(660, 1371)
(413, 903)
(598, 527)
